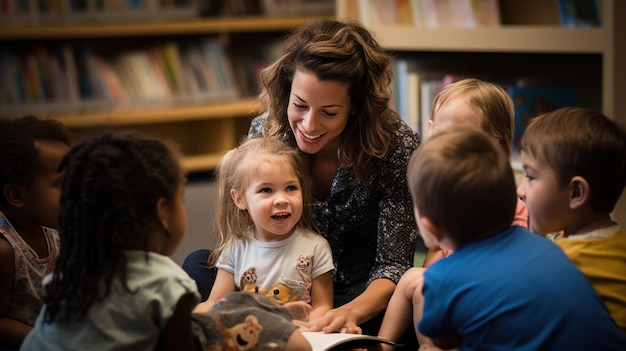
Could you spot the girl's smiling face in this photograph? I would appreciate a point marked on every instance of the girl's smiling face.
(273, 200)
(318, 112)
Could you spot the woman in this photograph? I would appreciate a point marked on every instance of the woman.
(328, 93)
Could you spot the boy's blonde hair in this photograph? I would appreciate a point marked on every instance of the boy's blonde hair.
(576, 141)
(490, 99)
(237, 169)
(463, 182)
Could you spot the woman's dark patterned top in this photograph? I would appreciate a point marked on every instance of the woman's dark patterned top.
(370, 226)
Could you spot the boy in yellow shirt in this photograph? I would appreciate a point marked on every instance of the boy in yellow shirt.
(574, 162)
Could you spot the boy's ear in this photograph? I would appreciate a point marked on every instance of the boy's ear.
(580, 192)
(14, 194)
(432, 228)
(238, 200)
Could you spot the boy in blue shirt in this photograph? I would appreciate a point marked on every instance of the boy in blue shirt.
(504, 288)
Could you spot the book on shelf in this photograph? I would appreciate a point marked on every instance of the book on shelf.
(535, 98)
(579, 13)
(407, 92)
(341, 341)
(77, 78)
(172, 61)
(114, 87)
(298, 7)
(430, 13)
(19, 12)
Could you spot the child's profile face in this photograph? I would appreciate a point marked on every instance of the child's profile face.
(546, 199)
(456, 112)
(42, 197)
(273, 200)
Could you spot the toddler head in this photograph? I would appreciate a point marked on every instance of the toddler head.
(476, 103)
(121, 190)
(263, 185)
(30, 152)
(462, 182)
(572, 157)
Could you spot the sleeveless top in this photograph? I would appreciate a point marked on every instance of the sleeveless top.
(30, 270)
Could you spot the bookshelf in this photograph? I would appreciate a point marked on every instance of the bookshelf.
(204, 130)
(529, 42)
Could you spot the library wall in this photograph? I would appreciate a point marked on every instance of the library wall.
(180, 70)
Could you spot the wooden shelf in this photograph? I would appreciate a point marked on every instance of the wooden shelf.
(532, 27)
(545, 39)
(123, 117)
(195, 26)
(201, 162)
(204, 131)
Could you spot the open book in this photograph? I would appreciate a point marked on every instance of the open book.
(340, 341)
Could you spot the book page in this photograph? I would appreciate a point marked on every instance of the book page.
(341, 341)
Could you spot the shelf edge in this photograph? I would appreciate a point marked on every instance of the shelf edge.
(122, 117)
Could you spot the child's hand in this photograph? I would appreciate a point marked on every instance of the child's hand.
(302, 325)
(299, 310)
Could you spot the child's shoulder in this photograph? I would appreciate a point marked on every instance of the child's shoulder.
(609, 239)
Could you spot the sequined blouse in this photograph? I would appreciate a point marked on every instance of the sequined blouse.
(370, 225)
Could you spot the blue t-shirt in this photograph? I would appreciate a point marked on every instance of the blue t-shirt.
(515, 291)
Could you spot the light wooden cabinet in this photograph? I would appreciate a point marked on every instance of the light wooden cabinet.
(203, 130)
(530, 42)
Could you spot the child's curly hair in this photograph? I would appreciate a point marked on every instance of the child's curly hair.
(109, 193)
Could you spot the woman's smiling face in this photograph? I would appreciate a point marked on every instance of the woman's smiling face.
(318, 112)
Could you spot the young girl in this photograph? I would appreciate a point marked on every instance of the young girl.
(30, 152)
(267, 244)
(471, 103)
(114, 286)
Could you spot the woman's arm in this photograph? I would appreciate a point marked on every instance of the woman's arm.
(396, 231)
(224, 284)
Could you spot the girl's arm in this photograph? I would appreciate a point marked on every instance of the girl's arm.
(321, 295)
(177, 333)
(224, 284)
(12, 332)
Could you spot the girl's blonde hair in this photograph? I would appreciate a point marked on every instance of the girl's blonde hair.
(237, 169)
(490, 99)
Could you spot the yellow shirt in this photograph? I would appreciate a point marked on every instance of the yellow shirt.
(601, 256)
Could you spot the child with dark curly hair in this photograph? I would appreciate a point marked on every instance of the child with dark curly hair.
(31, 149)
(114, 286)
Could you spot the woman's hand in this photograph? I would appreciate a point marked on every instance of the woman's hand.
(336, 320)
